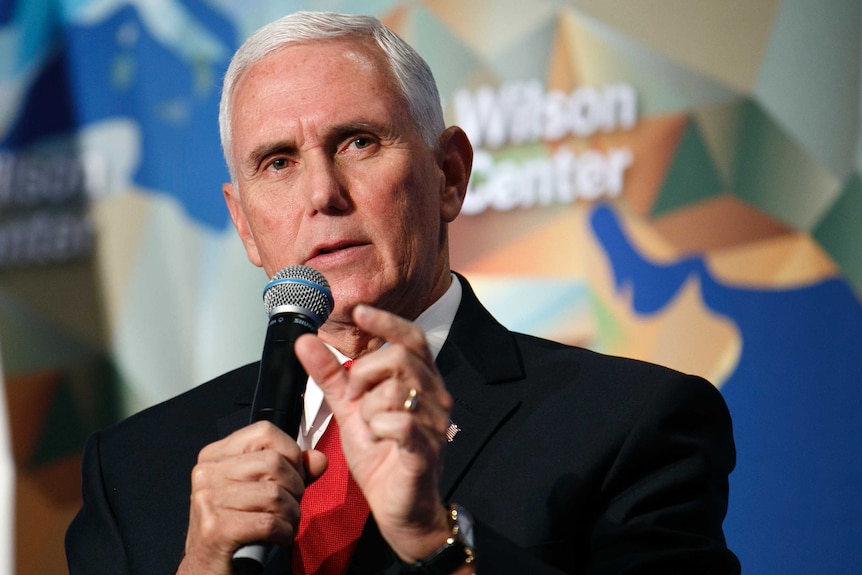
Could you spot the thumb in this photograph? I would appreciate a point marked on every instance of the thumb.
(315, 464)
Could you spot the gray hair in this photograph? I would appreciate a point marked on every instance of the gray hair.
(411, 72)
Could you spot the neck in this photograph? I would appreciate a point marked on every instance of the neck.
(342, 334)
(349, 339)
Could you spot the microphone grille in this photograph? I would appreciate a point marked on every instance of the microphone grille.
(299, 289)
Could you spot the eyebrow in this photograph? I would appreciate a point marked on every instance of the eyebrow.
(334, 133)
(256, 156)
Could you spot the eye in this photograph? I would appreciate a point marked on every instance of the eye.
(278, 164)
(361, 143)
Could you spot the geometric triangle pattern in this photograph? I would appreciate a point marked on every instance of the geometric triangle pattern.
(692, 176)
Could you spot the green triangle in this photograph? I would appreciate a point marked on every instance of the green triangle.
(610, 335)
(692, 175)
(70, 419)
(63, 431)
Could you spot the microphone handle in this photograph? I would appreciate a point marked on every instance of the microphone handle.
(278, 398)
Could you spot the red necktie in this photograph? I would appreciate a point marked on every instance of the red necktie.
(333, 514)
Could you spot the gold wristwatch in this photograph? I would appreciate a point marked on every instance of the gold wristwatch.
(455, 552)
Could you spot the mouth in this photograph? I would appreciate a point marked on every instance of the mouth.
(334, 251)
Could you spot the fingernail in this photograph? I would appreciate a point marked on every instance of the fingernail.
(361, 311)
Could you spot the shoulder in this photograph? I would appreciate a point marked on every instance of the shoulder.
(575, 362)
(191, 414)
(613, 384)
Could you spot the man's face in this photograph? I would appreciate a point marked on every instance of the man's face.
(332, 173)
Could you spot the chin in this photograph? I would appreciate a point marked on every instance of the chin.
(347, 295)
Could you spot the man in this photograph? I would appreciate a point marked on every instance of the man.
(568, 461)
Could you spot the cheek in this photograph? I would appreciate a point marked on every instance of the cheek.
(271, 227)
(417, 231)
(269, 209)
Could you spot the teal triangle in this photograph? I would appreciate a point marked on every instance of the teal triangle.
(692, 175)
(840, 234)
(453, 62)
(773, 173)
(529, 57)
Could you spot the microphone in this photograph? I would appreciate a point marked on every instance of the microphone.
(298, 301)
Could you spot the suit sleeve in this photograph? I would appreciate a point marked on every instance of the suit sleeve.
(93, 541)
(665, 496)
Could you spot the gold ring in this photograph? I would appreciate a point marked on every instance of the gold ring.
(412, 401)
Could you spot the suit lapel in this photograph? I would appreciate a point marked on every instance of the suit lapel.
(478, 416)
(479, 353)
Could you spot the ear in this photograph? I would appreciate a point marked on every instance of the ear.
(456, 162)
(240, 222)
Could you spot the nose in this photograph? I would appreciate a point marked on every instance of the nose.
(323, 187)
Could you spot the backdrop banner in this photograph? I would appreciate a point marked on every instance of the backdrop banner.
(679, 182)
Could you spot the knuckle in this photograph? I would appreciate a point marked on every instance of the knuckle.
(262, 430)
(272, 461)
(204, 454)
(401, 353)
(390, 392)
(200, 499)
(417, 337)
(200, 474)
(272, 492)
(414, 337)
(268, 525)
(209, 526)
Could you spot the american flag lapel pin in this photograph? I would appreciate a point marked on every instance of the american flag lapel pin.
(452, 431)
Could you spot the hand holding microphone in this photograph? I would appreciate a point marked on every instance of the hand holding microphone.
(247, 486)
(298, 301)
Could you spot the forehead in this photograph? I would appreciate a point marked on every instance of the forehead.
(319, 72)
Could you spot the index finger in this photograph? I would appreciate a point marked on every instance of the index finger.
(258, 436)
(322, 366)
(394, 329)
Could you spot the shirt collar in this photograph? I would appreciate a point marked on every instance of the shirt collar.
(436, 320)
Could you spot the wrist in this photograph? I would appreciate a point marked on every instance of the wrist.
(455, 555)
(421, 540)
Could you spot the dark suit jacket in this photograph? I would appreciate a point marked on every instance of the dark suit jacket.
(570, 461)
